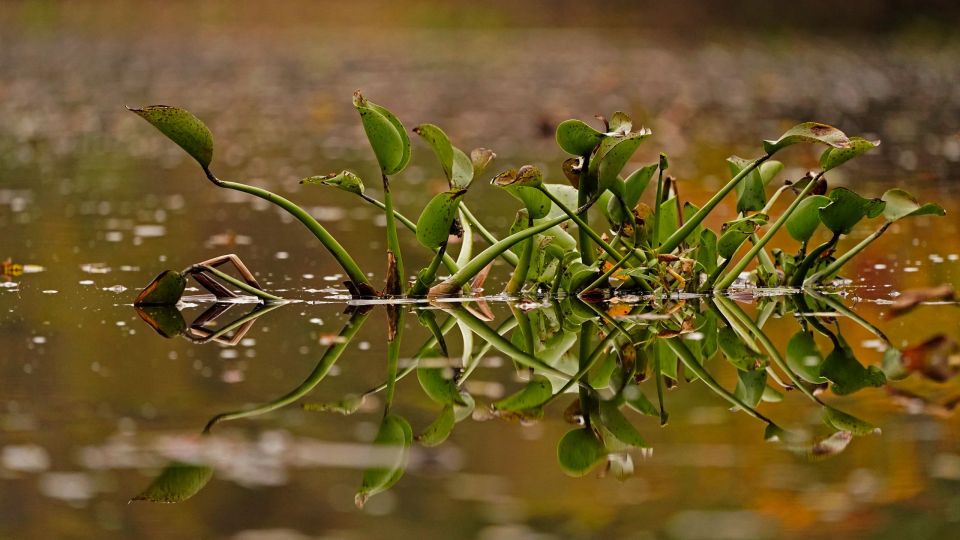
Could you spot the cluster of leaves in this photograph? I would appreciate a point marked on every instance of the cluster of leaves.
(607, 365)
(656, 244)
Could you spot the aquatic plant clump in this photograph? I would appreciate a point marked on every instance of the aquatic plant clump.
(622, 244)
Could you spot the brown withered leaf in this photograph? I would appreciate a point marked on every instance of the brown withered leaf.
(912, 298)
(937, 358)
(392, 286)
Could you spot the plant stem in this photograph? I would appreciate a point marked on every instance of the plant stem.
(263, 295)
(681, 234)
(519, 276)
(393, 240)
(349, 266)
(582, 226)
(800, 273)
(477, 264)
(583, 196)
(845, 258)
(323, 366)
(510, 257)
(448, 261)
(767, 236)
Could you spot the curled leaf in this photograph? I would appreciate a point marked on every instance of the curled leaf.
(900, 204)
(577, 138)
(386, 135)
(808, 132)
(579, 451)
(165, 290)
(176, 483)
(433, 226)
(834, 157)
(805, 219)
(344, 180)
(181, 127)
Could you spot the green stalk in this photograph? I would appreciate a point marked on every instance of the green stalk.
(845, 258)
(393, 241)
(800, 273)
(731, 275)
(584, 228)
(681, 234)
(263, 295)
(329, 358)
(393, 360)
(421, 285)
(463, 276)
(447, 259)
(583, 196)
(587, 362)
(612, 270)
(730, 310)
(510, 257)
(349, 266)
(658, 199)
(519, 276)
(690, 362)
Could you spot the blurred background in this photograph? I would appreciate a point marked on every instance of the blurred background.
(92, 402)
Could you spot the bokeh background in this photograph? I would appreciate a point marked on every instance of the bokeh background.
(92, 402)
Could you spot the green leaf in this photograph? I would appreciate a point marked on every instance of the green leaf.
(636, 400)
(577, 138)
(846, 374)
(176, 483)
(523, 186)
(433, 226)
(395, 434)
(165, 319)
(462, 412)
(344, 180)
(165, 290)
(689, 210)
(900, 204)
(842, 421)
(669, 219)
(618, 425)
(804, 358)
(534, 394)
(386, 135)
(751, 385)
(737, 351)
(579, 451)
(183, 128)
(438, 140)
(439, 385)
(613, 154)
(846, 209)
(620, 123)
(808, 132)
(462, 170)
(707, 251)
(834, 157)
(751, 192)
(769, 170)
(736, 232)
(439, 429)
(805, 219)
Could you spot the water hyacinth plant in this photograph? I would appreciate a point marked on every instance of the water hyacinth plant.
(658, 249)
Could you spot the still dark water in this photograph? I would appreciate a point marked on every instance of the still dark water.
(93, 403)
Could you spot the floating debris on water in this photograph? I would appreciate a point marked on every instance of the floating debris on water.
(149, 231)
(115, 289)
(95, 268)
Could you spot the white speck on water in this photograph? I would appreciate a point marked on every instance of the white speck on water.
(317, 321)
(65, 486)
(86, 282)
(282, 255)
(229, 354)
(9, 285)
(333, 277)
(25, 458)
(121, 323)
(953, 257)
(910, 269)
(50, 291)
(113, 236)
(364, 345)
(115, 289)
(304, 349)
(128, 268)
(149, 231)
(95, 268)
(879, 266)
(248, 342)
(39, 340)
(308, 276)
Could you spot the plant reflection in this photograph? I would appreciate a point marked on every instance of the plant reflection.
(605, 362)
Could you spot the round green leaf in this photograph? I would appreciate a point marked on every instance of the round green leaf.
(577, 138)
(183, 128)
(165, 290)
(804, 358)
(579, 451)
(537, 391)
(804, 220)
(433, 226)
(439, 386)
(394, 433)
(846, 209)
